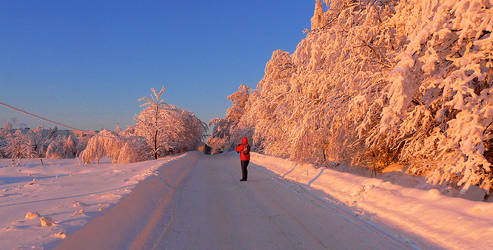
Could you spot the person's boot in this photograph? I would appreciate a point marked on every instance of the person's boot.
(243, 180)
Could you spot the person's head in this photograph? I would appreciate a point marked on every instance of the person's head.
(244, 140)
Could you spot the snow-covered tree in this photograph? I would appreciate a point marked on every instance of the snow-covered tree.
(226, 131)
(439, 96)
(82, 139)
(117, 128)
(150, 122)
(193, 132)
(70, 146)
(7, 126)
(238, 100)
(18, 146)
(161, 129)
(318, 15)
(6, 130)
(175, 131)
(167, 128)
(220, 133)
(37, 142)
(376, 82)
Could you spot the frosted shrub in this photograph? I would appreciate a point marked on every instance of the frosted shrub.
(61, 147)
(39, 142)
(119, 149)
(104, 144)
(134, 149)
(55, 149)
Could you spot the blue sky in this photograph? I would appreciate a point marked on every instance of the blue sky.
(85, 63)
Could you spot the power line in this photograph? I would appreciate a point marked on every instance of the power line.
(44, 119)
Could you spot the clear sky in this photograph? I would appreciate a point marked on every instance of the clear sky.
(85, 63)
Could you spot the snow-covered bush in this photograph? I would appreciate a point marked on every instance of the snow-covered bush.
(376, 82)
(134, 149)
(70, 146)
(55, 149)
(62, 148)
(38, 142)
(119, 149)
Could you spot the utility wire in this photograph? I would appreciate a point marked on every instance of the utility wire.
(45, 119)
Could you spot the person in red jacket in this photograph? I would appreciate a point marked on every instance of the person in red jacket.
(244, 150)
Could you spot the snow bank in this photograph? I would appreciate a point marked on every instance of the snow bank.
(41, 205)
(449, 222)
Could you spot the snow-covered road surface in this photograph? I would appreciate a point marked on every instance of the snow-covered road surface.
(198, 202)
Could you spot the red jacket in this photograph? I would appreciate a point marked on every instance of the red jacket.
(244, 149)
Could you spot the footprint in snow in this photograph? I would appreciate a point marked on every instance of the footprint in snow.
(79, 204)
(47, 221)
(79, 212)
(60, 235)
(32, 215)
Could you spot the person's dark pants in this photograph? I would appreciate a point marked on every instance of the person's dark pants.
(244, 171)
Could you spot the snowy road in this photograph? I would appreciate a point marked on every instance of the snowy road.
(197, 202)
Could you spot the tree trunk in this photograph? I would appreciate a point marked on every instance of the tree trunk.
(156, 117)
(155, 145)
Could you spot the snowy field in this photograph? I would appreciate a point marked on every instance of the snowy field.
(61, 193)
(196, 201)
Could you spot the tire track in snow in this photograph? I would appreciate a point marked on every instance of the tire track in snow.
(199, 203)
(130, 221)
(250, 193)
(145, 238)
